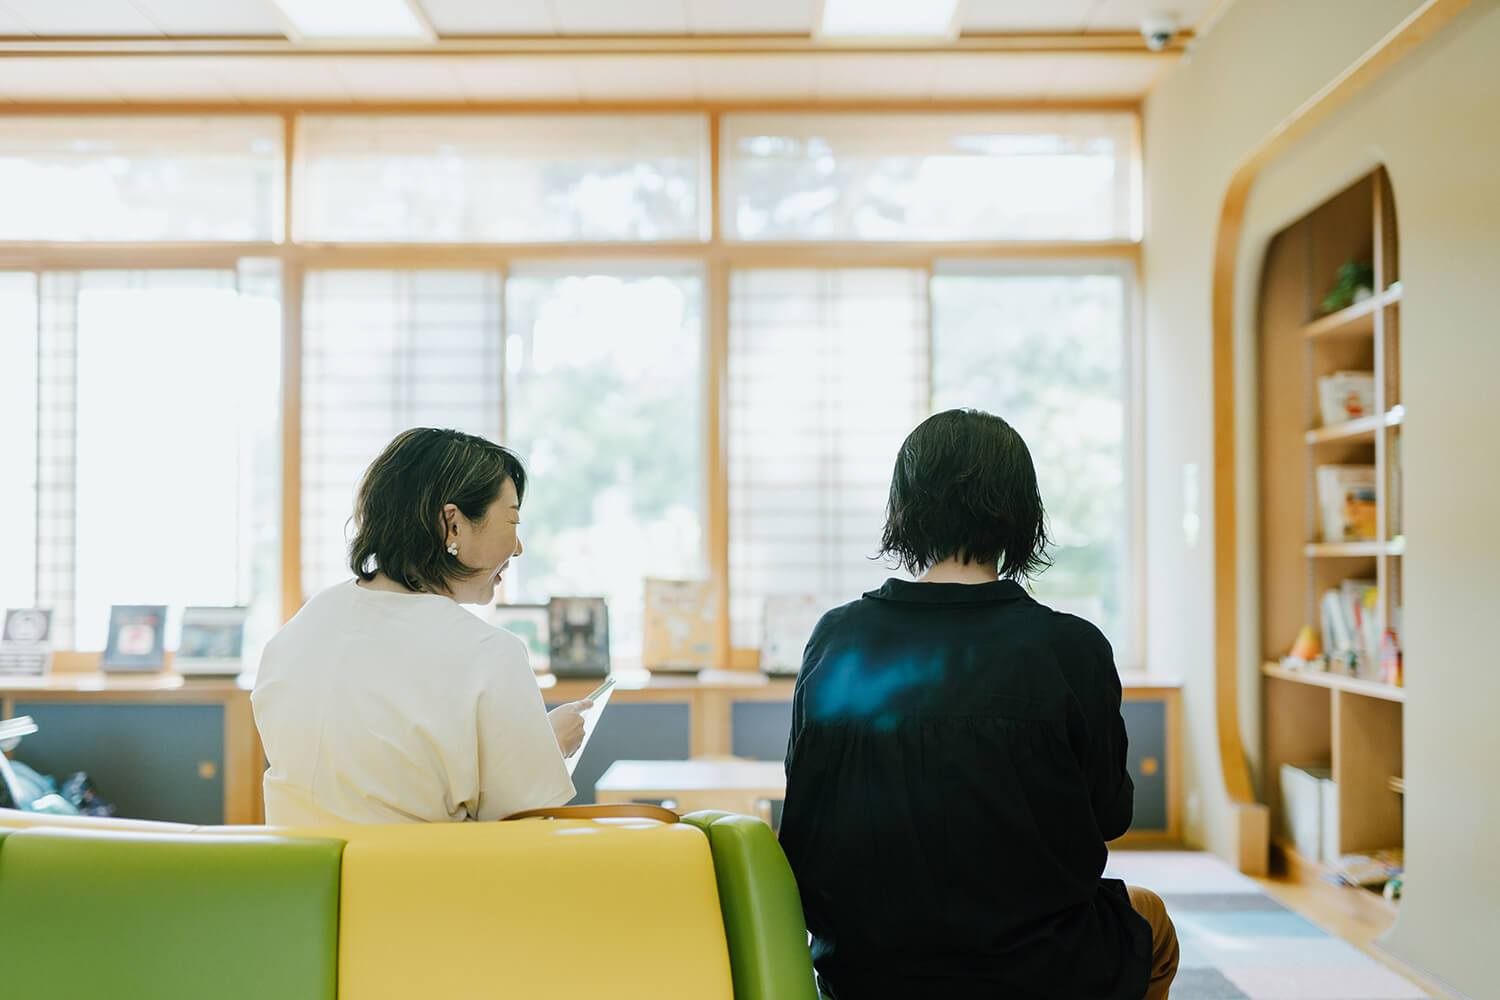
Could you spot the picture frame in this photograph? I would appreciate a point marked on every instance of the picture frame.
(212, 641)
(26, 642)
(578, 637)
(531, 624)
(137, 638)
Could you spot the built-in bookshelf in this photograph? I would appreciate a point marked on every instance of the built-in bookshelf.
(1330, 519)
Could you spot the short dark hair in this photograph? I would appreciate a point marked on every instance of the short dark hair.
(964, 486)
(398, 515)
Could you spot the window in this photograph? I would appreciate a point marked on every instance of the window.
(501, 178)
(604, 370)
(827, 376)
(141, 178)
(158, 475)
(18, 393)
(929, 176)
(1047, 352)
(384, 351)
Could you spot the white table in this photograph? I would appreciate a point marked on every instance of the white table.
(739, 786)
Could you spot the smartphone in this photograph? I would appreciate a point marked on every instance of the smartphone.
(609, 682)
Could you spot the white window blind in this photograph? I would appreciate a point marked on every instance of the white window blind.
(828, 373)
(157, 476)
(18, 394)
(1027, 176)
(384, 351)
(158, 177)
(501, 178)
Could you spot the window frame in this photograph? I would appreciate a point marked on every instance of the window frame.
(714, 252)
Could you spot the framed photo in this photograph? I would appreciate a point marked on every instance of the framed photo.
(136, 637)
(578, 636)
(26, 643)
(527, 622)
(213, 641)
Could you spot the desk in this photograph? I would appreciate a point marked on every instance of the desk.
(158, 745)
(740, 786)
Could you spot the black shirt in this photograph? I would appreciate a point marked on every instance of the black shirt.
(956, 764)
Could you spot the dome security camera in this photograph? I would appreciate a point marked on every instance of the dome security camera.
(1158, 30)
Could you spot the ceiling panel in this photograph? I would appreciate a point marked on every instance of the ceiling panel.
(400, 79)
(210, 17)
(750, 17)
(517, 79)
(637, 79)
(269, 78)
(731, 78)
(473, 17)
(619, 17)
(81, 17)
(51, 80)
(12, 25)
(1023, 15)
(1125, 15)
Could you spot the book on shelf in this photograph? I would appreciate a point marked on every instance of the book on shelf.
(212, 642)
(679, 625)
(1351, 627)
(1346, 502)
(788, 623)
(1345, 396)
(136, 637)
(26, 643)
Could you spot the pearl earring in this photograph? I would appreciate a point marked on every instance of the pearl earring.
(453, 548)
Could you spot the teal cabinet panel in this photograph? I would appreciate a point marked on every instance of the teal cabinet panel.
(1146, 725)
(632, 731)
(761, 729)
(149, 760)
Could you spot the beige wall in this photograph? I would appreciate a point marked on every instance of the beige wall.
(1433, 122)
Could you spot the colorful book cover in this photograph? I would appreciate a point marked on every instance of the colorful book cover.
(136, 637)
(679, 625)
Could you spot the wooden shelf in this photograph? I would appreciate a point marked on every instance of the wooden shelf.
(1302, 869)
(1337, 682)
(1356, 430)
(1345, 550)
(1357, 320)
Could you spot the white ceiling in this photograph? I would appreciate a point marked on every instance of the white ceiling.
(176, 18)
(269, 71)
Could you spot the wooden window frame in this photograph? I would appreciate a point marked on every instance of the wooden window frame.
(717, 255)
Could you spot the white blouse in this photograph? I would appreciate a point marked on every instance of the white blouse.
(380, 707)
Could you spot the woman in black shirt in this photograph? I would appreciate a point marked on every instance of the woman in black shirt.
(957, 759)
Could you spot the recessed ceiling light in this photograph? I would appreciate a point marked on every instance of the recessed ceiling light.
(888, 19)
(312, 20)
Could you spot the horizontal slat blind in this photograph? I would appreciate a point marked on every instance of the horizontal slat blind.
(828, 373)
(384, 351)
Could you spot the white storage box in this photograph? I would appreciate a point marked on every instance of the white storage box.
(1302, 794)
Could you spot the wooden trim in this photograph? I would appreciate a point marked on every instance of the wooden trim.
(1401, 40)
(291, 441)
(561, 107)
(716, 467)
(618, 46)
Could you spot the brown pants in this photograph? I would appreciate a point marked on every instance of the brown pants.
(1163, 941)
